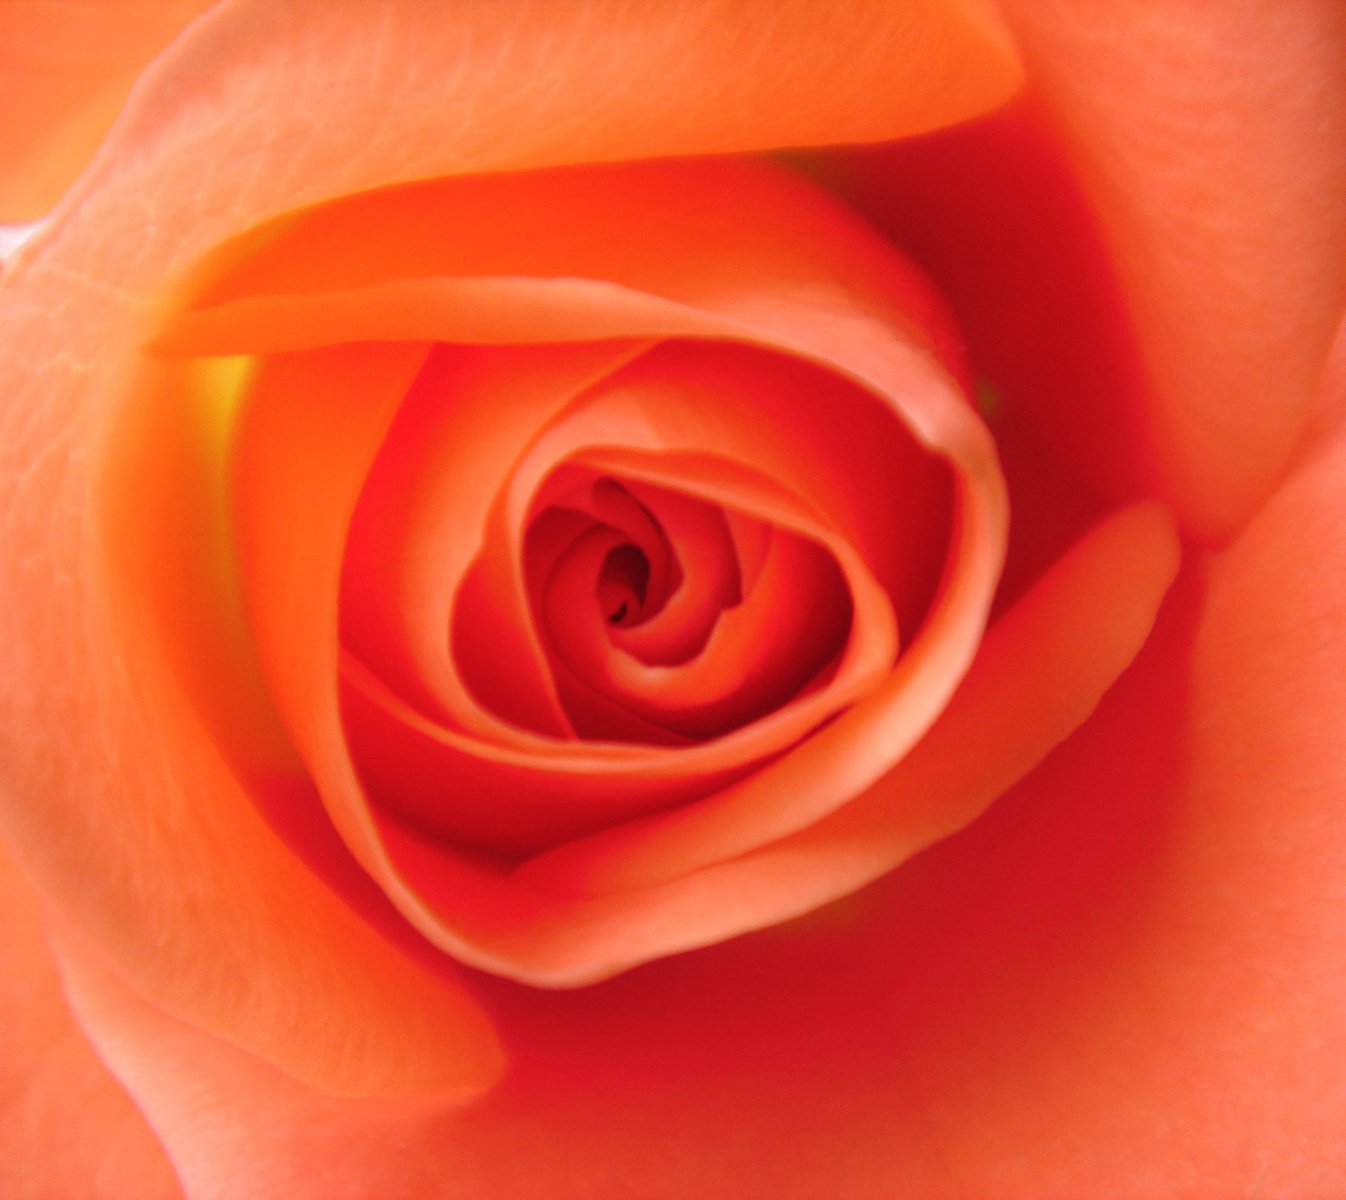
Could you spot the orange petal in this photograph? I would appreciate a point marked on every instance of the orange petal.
(996, 212)
(420, 523)
(145, 831)
(1038, 675)
(66, 1126)
(917, 1009)
(551, 938)
(837, 447)
(1148, 929)
(286, 82)
(662, 692)
(100, 824)
(1222, 190)
(477, 794)
(871, 648)
(235, 1125)
(65, 72)
(798, 278)
(1140, 945)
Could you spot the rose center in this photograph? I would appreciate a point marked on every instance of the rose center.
(665, 616)
(623, 584)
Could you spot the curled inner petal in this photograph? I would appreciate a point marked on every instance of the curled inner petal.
(631, 553)
(702, 657)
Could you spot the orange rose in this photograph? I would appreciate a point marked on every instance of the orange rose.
(465, 554)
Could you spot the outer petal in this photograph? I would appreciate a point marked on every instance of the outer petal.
(1125, 980)
(524, 84)
(151, 834)
(236, 1127)
(66, 1127)
(1156, 280)
(65, 71)
(1139, 947)
(101, 813)
(1222, 189)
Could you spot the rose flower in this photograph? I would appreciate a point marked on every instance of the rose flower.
(725, 599)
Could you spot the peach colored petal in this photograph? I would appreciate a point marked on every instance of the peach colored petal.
(76, 297)
(658, 208)
(543, 86)
(924, 1009)
(517, 930)
(800, 279)
(1139, 946)
(65, 72)
(236, 1126)
(674, 628)
(804, 242)
(1040, 672)
(516, 802)
(1329, 407)
(422, 519)
(741, 405)
(691, 413)
(836, 448)
(433, 548)
(872, 646)
(292, 517)
(508, 311)
(1222, 190)
(145, 829)
(995, 211)
(66, 1126)
(758, 652)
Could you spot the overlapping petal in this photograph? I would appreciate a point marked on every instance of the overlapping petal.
(58, 1103)
(762, 263)
(65, 72)
(1031, 949)
(101, 827)
(1183, 250)
(1222, 194)
(1134, 947)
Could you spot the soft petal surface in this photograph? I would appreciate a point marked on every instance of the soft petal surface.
(66, 67)
(1140, 946)
(1133, 949)
(145, 831)
(1158, 280)
(801, 281)
(1038, 674)
(1221, 188)
(145, 834)
(544, 86)
(236, 1128)
(66, 1126)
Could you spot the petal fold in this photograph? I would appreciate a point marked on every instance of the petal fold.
(1221, 188)
(65, 72)
(66, 1126)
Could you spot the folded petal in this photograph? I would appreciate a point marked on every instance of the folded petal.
(670, 1082)
(1221, 188)
(234, 1125)
(65, 72)
(1138, 946)
(291, 83)
(1039, 673)
(1010, 1015)
(66, 1126)
(784, 272)
(126, 795)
